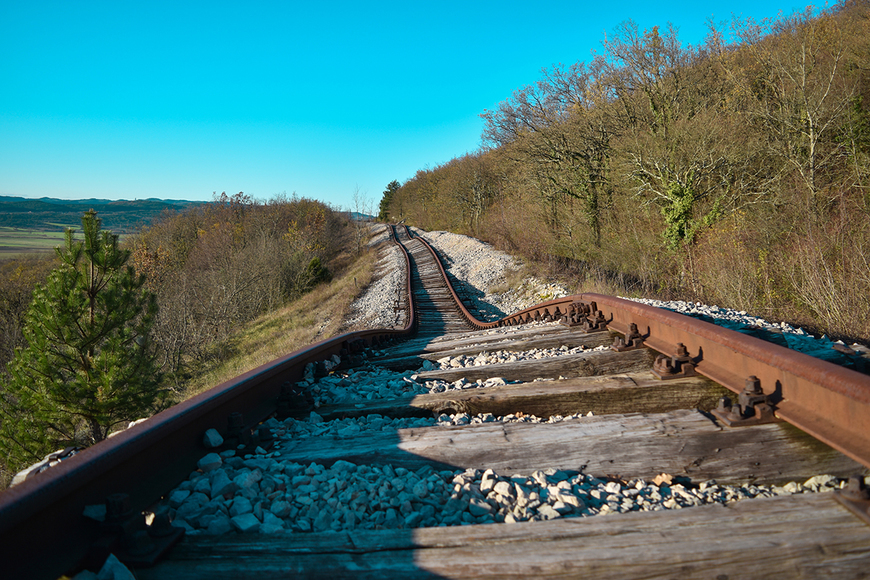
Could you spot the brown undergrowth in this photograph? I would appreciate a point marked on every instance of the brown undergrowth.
(313, 317)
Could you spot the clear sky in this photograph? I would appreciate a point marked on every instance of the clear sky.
(126, 100)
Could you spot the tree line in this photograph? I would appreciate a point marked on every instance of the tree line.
(107, 332)
(735, 171)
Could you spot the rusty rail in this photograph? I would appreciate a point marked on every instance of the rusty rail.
(830, 402)
(468, 316)
(145, 460)
(44, 514)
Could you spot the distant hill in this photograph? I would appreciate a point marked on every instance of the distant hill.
(359, 217)
(49, 214)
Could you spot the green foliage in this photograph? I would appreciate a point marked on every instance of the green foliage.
(386, 200)
(89, 363)
(315, 273)
(659, 163)
(678, 215)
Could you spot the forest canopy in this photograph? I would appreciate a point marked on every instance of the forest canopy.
(208, 270)
(734, 172)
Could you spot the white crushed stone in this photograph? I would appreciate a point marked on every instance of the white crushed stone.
(478, 268)
(505, 356)
(358, 385)
(381, 304)
(268, 496)
(780, 333)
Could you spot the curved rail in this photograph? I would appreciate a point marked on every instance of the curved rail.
(553, 309)
(829, 402)
(148, 458)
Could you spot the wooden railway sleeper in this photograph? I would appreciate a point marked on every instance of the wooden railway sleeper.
(753, 407)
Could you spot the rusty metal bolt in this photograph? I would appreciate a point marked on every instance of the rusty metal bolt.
(682, 351)
(856, 490)
(752, 394)
(161, 526)
(753, 386)
(724, 405)
(736, 413)
(663, 365)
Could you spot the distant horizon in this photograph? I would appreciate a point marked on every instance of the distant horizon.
(166, 200)
(165, 101)
(83, 199)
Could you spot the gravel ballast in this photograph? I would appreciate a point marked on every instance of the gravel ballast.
(259, 493)
(478, 268)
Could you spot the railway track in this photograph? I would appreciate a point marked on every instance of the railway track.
(514, 478)
(435, 304)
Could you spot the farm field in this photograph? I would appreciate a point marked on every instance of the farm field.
(15, 242)
(29, 226)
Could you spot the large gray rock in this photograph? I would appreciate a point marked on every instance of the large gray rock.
(241, 505)
(245, 523)
(210, 462)
(212, 439)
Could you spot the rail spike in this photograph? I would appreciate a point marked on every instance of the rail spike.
(856, 497)
(753, 407)
(675, 367)
(633, 340)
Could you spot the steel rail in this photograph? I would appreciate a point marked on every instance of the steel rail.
(470, 318)
(553, 309)
(44, 514)
(38, 515)
(830, 402)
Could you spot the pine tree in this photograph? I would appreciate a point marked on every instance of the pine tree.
(89, 364)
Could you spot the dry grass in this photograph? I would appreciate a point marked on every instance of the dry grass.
(318, 315)
(577, 280)
(512, 279)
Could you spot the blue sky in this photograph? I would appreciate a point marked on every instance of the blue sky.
(124, 100)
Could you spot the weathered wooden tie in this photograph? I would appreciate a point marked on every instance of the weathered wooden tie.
(638, 392)
(764, 538)
(683, 442)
